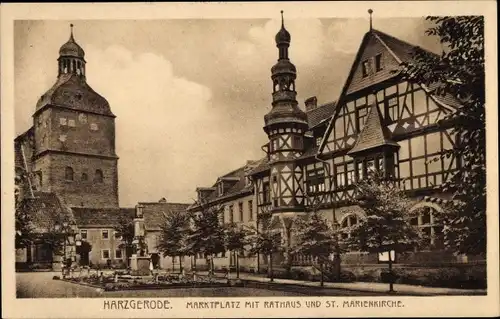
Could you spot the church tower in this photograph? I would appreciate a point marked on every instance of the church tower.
(285, 126)
(74, 137)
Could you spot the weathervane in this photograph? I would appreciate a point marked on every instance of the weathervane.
(370, 11)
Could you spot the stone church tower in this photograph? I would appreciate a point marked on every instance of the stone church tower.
(73, 139)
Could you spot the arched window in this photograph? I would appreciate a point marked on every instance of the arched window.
(85, 177)
(348, 221)
(98, 176)
(68, 173)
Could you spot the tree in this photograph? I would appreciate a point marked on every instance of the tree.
(172, 236)
(125, 229)
(459, 72)
(315, 238)
(387, 225)
(206, 234)
(23, 221)
(235, 240)
(265, 240)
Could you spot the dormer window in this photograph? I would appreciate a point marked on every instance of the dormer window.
(220, 189)
(366, 68)
(372, 65)
(378, 62)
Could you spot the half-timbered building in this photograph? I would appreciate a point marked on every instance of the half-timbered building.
(379, 121)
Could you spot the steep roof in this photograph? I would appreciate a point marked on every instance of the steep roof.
(154, 212)
(73, 92)
(101, 218)
(46, 209)
(320, 114)
(399, 51)
(373, 134)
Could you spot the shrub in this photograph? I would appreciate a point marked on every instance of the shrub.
(388, 277)
(56, 278)
(347, 276)
(298, 274)
(450, 277)
(110, 287)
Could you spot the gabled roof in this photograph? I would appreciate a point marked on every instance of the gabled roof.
(373, 134)
(154, 212)
(399, 50)
(101, 218)
(320, 114)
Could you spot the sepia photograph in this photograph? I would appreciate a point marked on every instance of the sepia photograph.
(195, 158)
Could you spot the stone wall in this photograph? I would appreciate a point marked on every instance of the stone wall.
(80, 192)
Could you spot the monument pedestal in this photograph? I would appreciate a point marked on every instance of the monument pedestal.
(139, 265)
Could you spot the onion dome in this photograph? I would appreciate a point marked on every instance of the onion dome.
(283, 36)
(71, 48)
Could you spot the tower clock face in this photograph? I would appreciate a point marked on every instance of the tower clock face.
(82, 118)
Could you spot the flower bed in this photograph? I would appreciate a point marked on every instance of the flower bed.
(115, 282)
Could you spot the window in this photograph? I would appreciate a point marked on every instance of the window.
(250, 210)
(339, 170)
(94, 127)
(85, 177)
(105, 253)
(71, 123)
(297, 142)
(362, 113)
(118, 254)
(366, 68)
(378, 62)
(426, 223)
(267, 193)
(68, 173)
(348, 221)
(98, 176)
(315, 178)
(118, 236)
(83, 233)
(392, 108)
(350, 173)
(231, 217)
(240, 209)
(105, 234)
(62, 121)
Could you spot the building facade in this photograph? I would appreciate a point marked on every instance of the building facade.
(233, 194)
(379, 122)
(148, 219)
(99, 228)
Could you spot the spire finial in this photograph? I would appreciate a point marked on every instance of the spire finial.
(282, 20)
(370, 11)
(71, 28)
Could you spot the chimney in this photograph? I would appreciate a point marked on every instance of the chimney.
(311, 103)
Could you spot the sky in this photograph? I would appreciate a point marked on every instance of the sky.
(190, 95)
